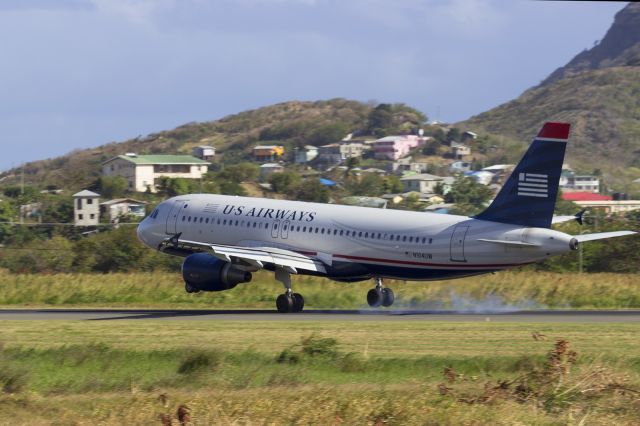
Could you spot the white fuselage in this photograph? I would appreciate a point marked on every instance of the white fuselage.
(355, 242)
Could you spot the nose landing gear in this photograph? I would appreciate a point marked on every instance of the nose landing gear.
(380, 296)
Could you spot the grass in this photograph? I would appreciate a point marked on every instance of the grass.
(355, 372)
(505, 290)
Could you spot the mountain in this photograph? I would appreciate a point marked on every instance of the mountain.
(290, 124)
(598, 91)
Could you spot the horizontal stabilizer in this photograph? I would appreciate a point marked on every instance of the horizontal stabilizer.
(602, 235)
(509, 243)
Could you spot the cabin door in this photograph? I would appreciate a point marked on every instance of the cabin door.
(457, 243)
(172, 217)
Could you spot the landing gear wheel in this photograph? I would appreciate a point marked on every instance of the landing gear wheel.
(298, 302)
(375, 297)
(387, 297)
(190, 288)
(284, 303)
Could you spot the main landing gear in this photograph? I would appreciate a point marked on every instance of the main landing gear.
(380, 296)
(288, 301)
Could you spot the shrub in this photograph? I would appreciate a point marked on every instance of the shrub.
(200, 361)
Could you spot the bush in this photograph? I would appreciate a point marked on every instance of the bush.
(315, 346)
(200, 361)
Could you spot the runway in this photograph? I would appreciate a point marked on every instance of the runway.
(538, 316)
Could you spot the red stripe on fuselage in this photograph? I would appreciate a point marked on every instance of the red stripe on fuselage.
(410, 262)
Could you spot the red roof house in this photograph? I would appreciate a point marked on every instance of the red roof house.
(585, 196)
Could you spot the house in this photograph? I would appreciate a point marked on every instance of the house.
(604, 203)
(570, 182)
(336, 153)
(86, 208)
(204, 152)
(396, 147)
(468, 137)
(482, 177)
(116, 208)
(460, 150)
(423, 183)
(305, 154)
(407, 165)
(460, 167)
(375, 202)
(142, 172)
(267, 153)
(270, 168)
(374, 170)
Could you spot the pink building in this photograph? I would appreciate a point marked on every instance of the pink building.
(396, 147)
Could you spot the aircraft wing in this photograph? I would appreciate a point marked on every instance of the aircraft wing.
(255, 257)
(601, 235)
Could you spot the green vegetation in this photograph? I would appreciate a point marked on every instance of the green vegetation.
(603, 107)
(397, 372)
(505, 290)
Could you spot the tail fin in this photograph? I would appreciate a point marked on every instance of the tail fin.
(528, 197)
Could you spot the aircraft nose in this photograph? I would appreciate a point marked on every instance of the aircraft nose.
(141, 231)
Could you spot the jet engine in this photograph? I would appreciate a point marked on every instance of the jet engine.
(203, 272)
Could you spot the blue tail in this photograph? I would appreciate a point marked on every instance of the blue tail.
(528, 197)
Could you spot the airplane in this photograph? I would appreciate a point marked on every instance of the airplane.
(225, 238)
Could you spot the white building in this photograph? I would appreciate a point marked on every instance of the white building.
(423, 183)
(570, 182)
(123, 207)
(305, 154)
(270, 168)
(204, 152)
(86, 208)
(143, 171)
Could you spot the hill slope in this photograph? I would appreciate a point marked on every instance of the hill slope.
(602, 101)
(290, 124)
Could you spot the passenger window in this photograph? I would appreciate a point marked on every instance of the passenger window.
(304, 229)
(360, 234)
(317, 230)
(404, 238)
(366, 235)
(254, 224)
(335, 232)
(341, 232)
(266, 226)
(430, 240)
(189, 219)
(183, 218)
(322, 231)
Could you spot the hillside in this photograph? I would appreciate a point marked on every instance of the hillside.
(601, 100)
(290, 124)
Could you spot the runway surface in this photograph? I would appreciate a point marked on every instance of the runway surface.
(322, 315)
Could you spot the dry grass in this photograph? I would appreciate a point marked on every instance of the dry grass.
(519, 289)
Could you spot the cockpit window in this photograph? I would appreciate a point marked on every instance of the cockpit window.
(154, 213)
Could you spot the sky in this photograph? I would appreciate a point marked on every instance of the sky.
(82, 73)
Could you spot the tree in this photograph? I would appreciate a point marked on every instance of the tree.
(281, 182)
(328, 133)
(453, 135)
(6, 215)
(310, 190)
(112, 186)
(468, 195)
(380, 118)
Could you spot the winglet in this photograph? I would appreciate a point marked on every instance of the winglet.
(579, 216)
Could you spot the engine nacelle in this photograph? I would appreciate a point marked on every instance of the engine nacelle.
(208, 273)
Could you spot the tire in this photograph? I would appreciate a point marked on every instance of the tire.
(298, 302)
(374, 297)
(284, 304)
(189, 288)
(387, 297)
